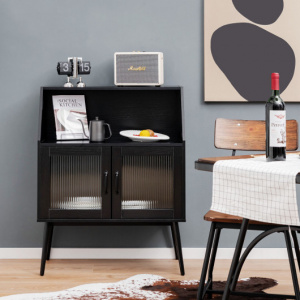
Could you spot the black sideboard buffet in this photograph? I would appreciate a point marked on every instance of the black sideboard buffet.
(117, 181)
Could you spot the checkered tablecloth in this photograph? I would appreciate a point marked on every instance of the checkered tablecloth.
(257, 190)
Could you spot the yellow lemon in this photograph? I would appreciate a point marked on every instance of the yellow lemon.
(145, 133)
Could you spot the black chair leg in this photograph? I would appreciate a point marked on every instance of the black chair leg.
(45, 244)
(174, 241)
(292, 264)
(209, 260)
(296, 244)
(235, 259)
(210, 240)
(212, 260)
(178, 248)
(49, 240)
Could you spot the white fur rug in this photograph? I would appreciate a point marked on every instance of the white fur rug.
(145, 287)
(125, 289)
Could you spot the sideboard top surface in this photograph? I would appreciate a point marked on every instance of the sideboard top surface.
(124, 108)
(112, 87)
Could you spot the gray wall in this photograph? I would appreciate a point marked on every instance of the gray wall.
(34, 36)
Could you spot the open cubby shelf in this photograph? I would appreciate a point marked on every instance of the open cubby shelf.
(156, 108)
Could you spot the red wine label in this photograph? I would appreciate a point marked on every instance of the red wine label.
(277, 128)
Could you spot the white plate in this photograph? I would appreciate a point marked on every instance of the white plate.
(134, 135)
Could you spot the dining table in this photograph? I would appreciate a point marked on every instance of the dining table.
(209, 164)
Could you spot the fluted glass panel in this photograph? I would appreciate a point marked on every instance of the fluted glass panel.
(147, 182)
(76, 182)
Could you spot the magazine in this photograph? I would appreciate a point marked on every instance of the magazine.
(69, 114)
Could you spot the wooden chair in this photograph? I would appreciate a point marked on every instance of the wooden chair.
(235, 135)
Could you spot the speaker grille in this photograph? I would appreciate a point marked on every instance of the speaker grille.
(125, 61)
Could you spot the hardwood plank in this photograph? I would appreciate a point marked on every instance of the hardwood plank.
(214, 216)
(250, 134)
(212, 160)
(22, 276)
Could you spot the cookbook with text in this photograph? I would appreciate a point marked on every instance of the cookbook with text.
(70, 115)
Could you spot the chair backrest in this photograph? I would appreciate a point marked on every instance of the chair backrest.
(250, 135)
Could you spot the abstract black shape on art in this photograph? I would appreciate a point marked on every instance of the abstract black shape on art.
(247, 55)
(262, 12)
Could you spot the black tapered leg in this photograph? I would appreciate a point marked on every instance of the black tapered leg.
(174, 242)
(213, 259)
(45, 244)
(206, 260)
(178, 247)
(296, 244)
(49, 240)
(235, 259)
(292, 264)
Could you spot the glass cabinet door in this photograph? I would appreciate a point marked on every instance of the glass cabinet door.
(147, 182)
(76, 181)
(79, 183)
(144, 182)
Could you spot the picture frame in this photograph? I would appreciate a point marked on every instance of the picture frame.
(244, 42)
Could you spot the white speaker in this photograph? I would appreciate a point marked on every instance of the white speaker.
(138, 68)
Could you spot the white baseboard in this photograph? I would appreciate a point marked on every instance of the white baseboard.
(134, 253)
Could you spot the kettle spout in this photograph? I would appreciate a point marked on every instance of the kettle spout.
(83, 128)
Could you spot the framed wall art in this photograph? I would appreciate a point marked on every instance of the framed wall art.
(244, 42)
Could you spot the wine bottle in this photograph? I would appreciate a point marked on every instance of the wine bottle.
(275, 123)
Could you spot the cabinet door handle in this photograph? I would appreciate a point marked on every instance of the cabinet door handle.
(117, 182)
(105, 181)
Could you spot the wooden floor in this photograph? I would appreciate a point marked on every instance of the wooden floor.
(22, 276)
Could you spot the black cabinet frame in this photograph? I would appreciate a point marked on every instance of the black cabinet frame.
(177, 212)
(169, 121)
(45, 213)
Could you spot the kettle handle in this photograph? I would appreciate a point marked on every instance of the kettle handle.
(82, 127)
(110, 133)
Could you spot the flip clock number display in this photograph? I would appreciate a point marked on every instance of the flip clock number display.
(72, 68)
